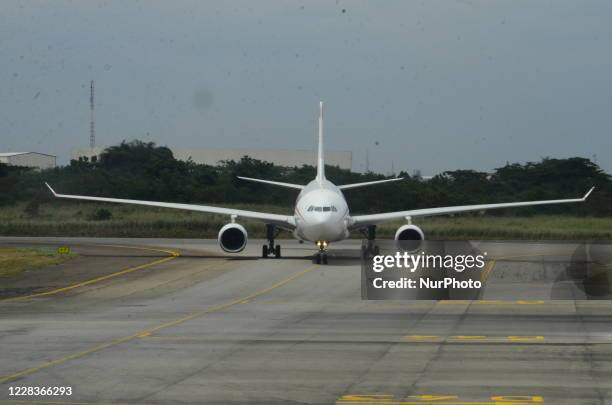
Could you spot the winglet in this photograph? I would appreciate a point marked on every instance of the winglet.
(588, 194)
(49, 187)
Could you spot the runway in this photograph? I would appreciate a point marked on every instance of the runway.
(153, 321)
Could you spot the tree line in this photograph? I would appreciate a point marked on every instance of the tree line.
(143, 170)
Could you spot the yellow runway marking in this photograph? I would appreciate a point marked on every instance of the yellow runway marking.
(395, 402)
(474, 339)
(423, 337)
(148, 332)
(525, 338)
(170, 252)
(489, 268)
(382, 399)
(173, 255)
(485, 273)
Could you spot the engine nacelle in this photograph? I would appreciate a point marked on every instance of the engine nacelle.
(233, 238)
(409, 237)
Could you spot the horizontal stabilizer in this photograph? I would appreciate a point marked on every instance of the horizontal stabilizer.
(275, 183)
(368, 183)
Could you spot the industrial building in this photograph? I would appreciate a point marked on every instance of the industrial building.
(28, 159)
(280, 157)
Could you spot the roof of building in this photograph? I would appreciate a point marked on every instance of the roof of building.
(7, 154)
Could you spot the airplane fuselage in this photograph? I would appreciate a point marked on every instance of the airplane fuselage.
(321, 213)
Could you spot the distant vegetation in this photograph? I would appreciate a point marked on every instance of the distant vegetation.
(139, 170)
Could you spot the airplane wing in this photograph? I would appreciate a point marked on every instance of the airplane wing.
(283, 221)
(360, 221)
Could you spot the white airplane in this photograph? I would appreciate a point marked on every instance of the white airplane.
(321, 214)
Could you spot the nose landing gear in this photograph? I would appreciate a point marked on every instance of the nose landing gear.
(270, 249)
(321, 256)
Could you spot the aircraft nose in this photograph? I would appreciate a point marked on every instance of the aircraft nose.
(323, 226)
(320, 218)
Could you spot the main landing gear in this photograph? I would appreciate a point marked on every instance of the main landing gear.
(321, 256)
(370, 248)
(270, 249)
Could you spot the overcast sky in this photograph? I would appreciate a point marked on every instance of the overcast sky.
(429, 85)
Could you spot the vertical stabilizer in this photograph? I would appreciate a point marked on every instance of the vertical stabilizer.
(320, 160)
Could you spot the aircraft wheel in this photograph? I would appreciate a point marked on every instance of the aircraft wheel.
(323, 258)
(277, 252)
(316, 259)
(264, 251)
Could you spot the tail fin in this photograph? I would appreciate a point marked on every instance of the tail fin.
(320, 160)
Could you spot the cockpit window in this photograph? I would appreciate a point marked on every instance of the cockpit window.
(322, 209)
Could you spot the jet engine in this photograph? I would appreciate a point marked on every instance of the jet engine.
(409, 232)
(233, 238)
(409, 237)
